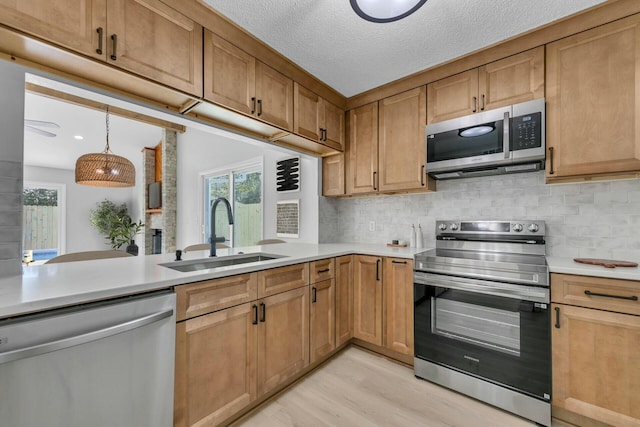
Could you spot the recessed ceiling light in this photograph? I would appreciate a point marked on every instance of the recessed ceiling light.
(78, 137)
(385, 10)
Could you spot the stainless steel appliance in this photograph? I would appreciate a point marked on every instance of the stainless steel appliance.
(482, 320)
(101, 365)
(505, 140)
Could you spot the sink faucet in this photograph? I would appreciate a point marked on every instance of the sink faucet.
(215, 239)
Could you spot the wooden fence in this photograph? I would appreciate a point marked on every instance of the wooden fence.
(40, 227)
(248, 224)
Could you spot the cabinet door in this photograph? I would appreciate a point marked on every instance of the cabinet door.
(398, 305)
(402, 146)
(70, 23)
(307, 118)
(155, 41)
(283, 338)
(596, 364)
(323, 314)
(455, 96)
(367, 299)
(333, 125)
(593, 116)
(333, 175)
(216, 362)
(518, 78)
(274, 92)
(344, 299)
(229, 74)
(362, 149)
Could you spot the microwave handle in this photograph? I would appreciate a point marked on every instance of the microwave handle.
(506, 136)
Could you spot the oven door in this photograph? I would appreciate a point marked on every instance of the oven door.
(472, 141)
(486, 329)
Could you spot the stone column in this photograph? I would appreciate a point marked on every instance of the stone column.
(169, 190)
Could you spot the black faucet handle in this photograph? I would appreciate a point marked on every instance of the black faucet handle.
(178, 255)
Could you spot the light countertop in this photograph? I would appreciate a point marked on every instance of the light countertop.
(569, 266)
(62, 284)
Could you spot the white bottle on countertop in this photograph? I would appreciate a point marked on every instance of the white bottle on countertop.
(412, 238)
(419, 242)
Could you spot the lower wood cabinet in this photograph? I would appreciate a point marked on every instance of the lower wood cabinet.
(595, 352)
(367, 299)
(344, 299)
(216, 361)
(398, 305)
(322, 336)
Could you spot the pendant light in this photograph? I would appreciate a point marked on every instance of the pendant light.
(381, 11)
(105, 169)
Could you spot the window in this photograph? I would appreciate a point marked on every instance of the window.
(43, 221)
(244, 182)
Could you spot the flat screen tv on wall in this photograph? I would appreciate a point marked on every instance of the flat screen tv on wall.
(155, 195)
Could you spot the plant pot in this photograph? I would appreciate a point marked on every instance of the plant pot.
(132, 248)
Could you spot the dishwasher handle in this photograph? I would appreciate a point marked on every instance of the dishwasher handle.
(48, 347)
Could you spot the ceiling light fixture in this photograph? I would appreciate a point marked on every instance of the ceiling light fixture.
(79, 137)
(385, 10)
(105, 169)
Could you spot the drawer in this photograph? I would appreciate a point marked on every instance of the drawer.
(281, 279)
(322, 270)
(196, 299)
(596, 292)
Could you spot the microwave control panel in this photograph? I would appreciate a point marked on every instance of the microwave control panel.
(526, 131)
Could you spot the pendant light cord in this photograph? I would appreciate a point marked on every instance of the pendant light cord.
(107, 148)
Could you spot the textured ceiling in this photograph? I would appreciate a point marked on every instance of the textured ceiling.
(328, 39)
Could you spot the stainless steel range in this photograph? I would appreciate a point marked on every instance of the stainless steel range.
(482, 321)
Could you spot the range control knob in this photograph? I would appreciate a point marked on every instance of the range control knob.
(442, 227)
(518, 227)
(453, 227)
(533, 228)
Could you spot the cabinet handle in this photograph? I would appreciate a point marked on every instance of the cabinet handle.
(255, 314)
(398, 262)
(253, 105)
(374, 181)
(259, 107)
(422, 175)
(313, 295)
(377, 270)
(323, 134)
(557, 325)
(482, 103)
(326, 270)
(100, 33)
(264, 312)
(114, 54)
(594, 294)
(475, 104)
(551, 160)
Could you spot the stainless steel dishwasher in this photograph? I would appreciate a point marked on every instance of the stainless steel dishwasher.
(101, 365)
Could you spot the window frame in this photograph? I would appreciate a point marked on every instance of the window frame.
(254, 164)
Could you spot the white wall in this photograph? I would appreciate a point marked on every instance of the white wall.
(81, 199)
(200, 151)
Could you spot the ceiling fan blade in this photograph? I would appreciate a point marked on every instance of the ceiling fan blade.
(42, 124)
(40, 131)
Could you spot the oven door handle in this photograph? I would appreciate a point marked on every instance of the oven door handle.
(505, 290)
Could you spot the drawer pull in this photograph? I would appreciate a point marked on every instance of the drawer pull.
(594, 294)
(398, 262)
(326, 270)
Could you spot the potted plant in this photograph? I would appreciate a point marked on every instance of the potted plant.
(114, 222)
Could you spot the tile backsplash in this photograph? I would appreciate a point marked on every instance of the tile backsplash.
(591, 219)
(10, 218)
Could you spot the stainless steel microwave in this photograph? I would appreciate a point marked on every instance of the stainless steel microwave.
(505, 140)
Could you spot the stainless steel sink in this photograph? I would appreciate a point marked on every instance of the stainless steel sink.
(224, 261)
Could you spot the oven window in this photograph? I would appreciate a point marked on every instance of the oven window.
(452, 145)
(485, 326)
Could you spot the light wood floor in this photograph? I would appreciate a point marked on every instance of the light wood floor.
(358, 389)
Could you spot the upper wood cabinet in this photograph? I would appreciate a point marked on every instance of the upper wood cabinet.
(362, 150)
(333, 169)
(515, 79)
(386, 145)
(593, 116)
(398, 305)
(401, 144)
(145, 37)
(235, 79)
(317, 119)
